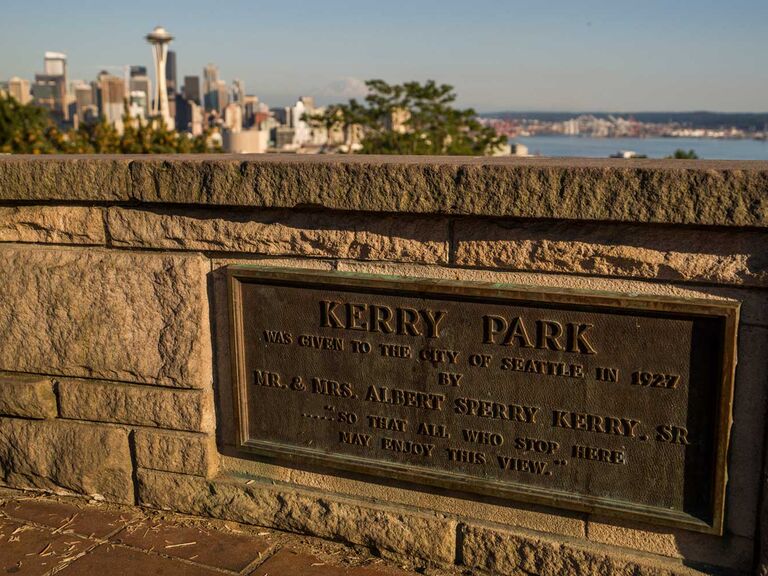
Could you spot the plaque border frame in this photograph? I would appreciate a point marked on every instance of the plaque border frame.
(726, 310)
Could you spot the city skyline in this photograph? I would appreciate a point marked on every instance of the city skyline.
(598, 56)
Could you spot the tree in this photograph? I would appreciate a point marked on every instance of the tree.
(681, 154)
(29, 129)
(24, 129)
(412, 118)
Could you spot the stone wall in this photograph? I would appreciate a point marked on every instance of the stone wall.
(114, 337)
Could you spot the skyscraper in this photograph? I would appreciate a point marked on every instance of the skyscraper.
(170, 73)
(50, 88)
(84, 108)
(139, 82)
(111, 98)
(18, 89)
(250, 108)
(222, 91)
(192, 89)
(238, 92)
(211, 88)
(159, 38)
(170, 80)
(55, 64)
(233, 117)
(189, 116)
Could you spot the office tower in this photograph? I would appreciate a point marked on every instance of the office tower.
(238, 92)
(50, 88)
(159, 38)
(250, 109)
(171, 81)
(84, 108)
(233, 117)
(19, 90)
(111, 95)
(223, 95)
(137, 104)
(210, 77)
(192, 89)
(55, 64)
(140, 82)
(210, 87)
(170, 73)
(283, 136)
(189, 116)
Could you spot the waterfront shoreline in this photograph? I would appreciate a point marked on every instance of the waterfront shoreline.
(652, 147)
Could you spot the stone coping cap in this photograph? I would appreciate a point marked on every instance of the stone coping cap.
(697, 192)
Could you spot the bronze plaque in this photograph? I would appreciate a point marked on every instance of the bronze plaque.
(589, 401)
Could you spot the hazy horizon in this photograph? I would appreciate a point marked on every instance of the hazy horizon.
(499, 55)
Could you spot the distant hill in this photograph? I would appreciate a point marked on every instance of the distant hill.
(744, 120)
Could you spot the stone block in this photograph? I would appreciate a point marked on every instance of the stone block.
(661, 253)
(673, 191)
(27, 396)
(52, 224)
(700, 192)
(101, 401)
(729, 551)
(106, 314)
(283, 232)
(66, 456)
(478, 508)
(392, 532)
(176, 452)
(65, 177)
(520, 554)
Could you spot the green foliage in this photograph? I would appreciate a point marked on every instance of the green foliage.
(412, 118)
(28, 129)
(25, 129)
(681, 154)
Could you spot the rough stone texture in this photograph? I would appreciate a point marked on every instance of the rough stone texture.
(27, 396)
(729, 551)
(661, 253)
(281, 232)
(52, 224)
(391, 532)
(66, 456)
(523, 554)
(176, 452)
(95, 178)
(101, 401)
(511, 514)
(110, 314)
(674, 191)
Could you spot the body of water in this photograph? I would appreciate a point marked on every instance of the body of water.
(707, 148)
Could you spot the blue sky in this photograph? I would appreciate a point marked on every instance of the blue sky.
(499, 54)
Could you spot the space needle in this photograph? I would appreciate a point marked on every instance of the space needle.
(160, 38)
